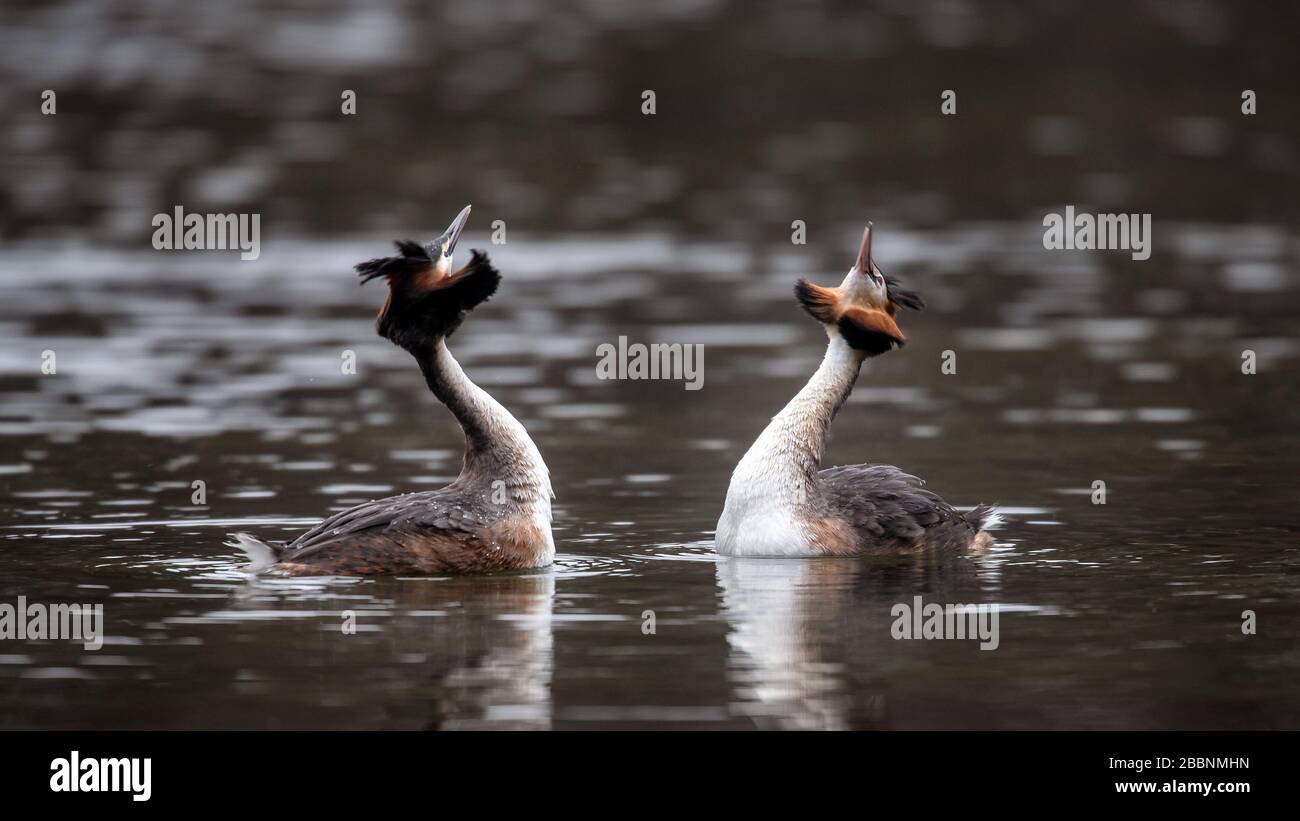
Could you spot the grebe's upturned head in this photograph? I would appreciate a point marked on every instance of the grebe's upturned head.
(426, 299)
(861, 309)
(442, 247)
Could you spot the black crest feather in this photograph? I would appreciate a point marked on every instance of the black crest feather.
(414, 319)
(412, 259)
(897, 293)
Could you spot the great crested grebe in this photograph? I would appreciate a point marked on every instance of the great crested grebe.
(497, 514)
(780, 504)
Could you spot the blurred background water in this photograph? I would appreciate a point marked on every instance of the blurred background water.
(1072, 367)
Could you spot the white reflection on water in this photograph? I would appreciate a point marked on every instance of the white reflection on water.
(774, 607)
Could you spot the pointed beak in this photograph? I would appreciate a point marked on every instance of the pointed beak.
(448, 239)
(863, 265)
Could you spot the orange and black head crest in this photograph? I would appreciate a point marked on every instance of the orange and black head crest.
(426, 299)
(420, 309)
(862, 308)
(416, 266)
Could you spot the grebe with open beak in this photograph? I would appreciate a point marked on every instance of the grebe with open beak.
(497, 514)
(780, 504)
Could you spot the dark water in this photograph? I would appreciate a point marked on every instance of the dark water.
(1072, 368)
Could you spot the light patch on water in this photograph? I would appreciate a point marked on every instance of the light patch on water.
(228, 616)
(1177, 445)
(1007, 339)
(112, 661)
(748, 335)
(340, 489)
(1068, 416)
(1164, 415)
(584, 411)
(893, 395)
(66, 673)
(1108, 329)
(1255, 277)
(431, 455)
(709, 444)
(306, 465)
(1020, 510)
(1149, 371)
(443, 479)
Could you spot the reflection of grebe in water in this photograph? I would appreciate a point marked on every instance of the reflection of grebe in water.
(497, 514)
(780, 504)
(778, 665)
(501, 640)
(810, 645)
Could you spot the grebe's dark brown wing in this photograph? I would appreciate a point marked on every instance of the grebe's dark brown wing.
(431, 532)
(891, 511)
(438, 510)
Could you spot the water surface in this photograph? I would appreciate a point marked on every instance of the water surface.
(1071, 368)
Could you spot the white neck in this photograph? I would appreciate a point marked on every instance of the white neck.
(497, 447)
(781, 466)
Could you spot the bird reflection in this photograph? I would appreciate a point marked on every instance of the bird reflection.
(497, 655)
(802, 631)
